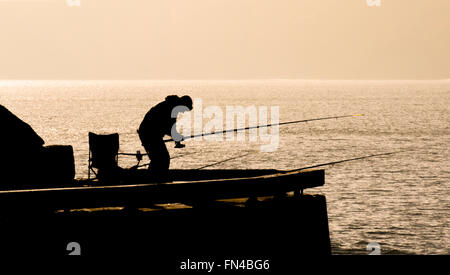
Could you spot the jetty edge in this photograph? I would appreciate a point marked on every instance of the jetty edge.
(207, 212)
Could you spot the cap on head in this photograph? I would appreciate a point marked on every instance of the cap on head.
(186, 101)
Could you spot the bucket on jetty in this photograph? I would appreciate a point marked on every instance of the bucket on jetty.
(57, 165)
(51, 166)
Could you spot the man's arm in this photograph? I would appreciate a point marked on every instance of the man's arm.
(176, 136)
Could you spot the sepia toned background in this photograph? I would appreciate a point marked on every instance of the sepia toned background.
(224, 39)
(100, 65)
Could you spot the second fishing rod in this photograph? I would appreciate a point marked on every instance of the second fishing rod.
(262, 126)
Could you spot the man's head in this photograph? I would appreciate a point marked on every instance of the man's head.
(186, 101)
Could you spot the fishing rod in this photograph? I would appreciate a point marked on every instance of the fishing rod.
(313, 166)
(262, 126)
(138, 153)
(347, 160)
(222, 161)
(146, 164)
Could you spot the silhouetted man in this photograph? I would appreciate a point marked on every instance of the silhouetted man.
(160, 121)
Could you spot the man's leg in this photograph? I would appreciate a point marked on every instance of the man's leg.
(159, 157)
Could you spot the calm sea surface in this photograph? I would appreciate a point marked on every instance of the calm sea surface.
(400, 201)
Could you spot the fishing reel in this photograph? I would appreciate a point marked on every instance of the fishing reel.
(178, 144)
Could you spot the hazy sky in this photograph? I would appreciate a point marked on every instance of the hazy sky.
(224, 39)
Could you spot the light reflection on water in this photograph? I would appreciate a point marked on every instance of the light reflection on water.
(400, 201)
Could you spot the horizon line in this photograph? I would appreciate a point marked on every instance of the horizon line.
(233, 80)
